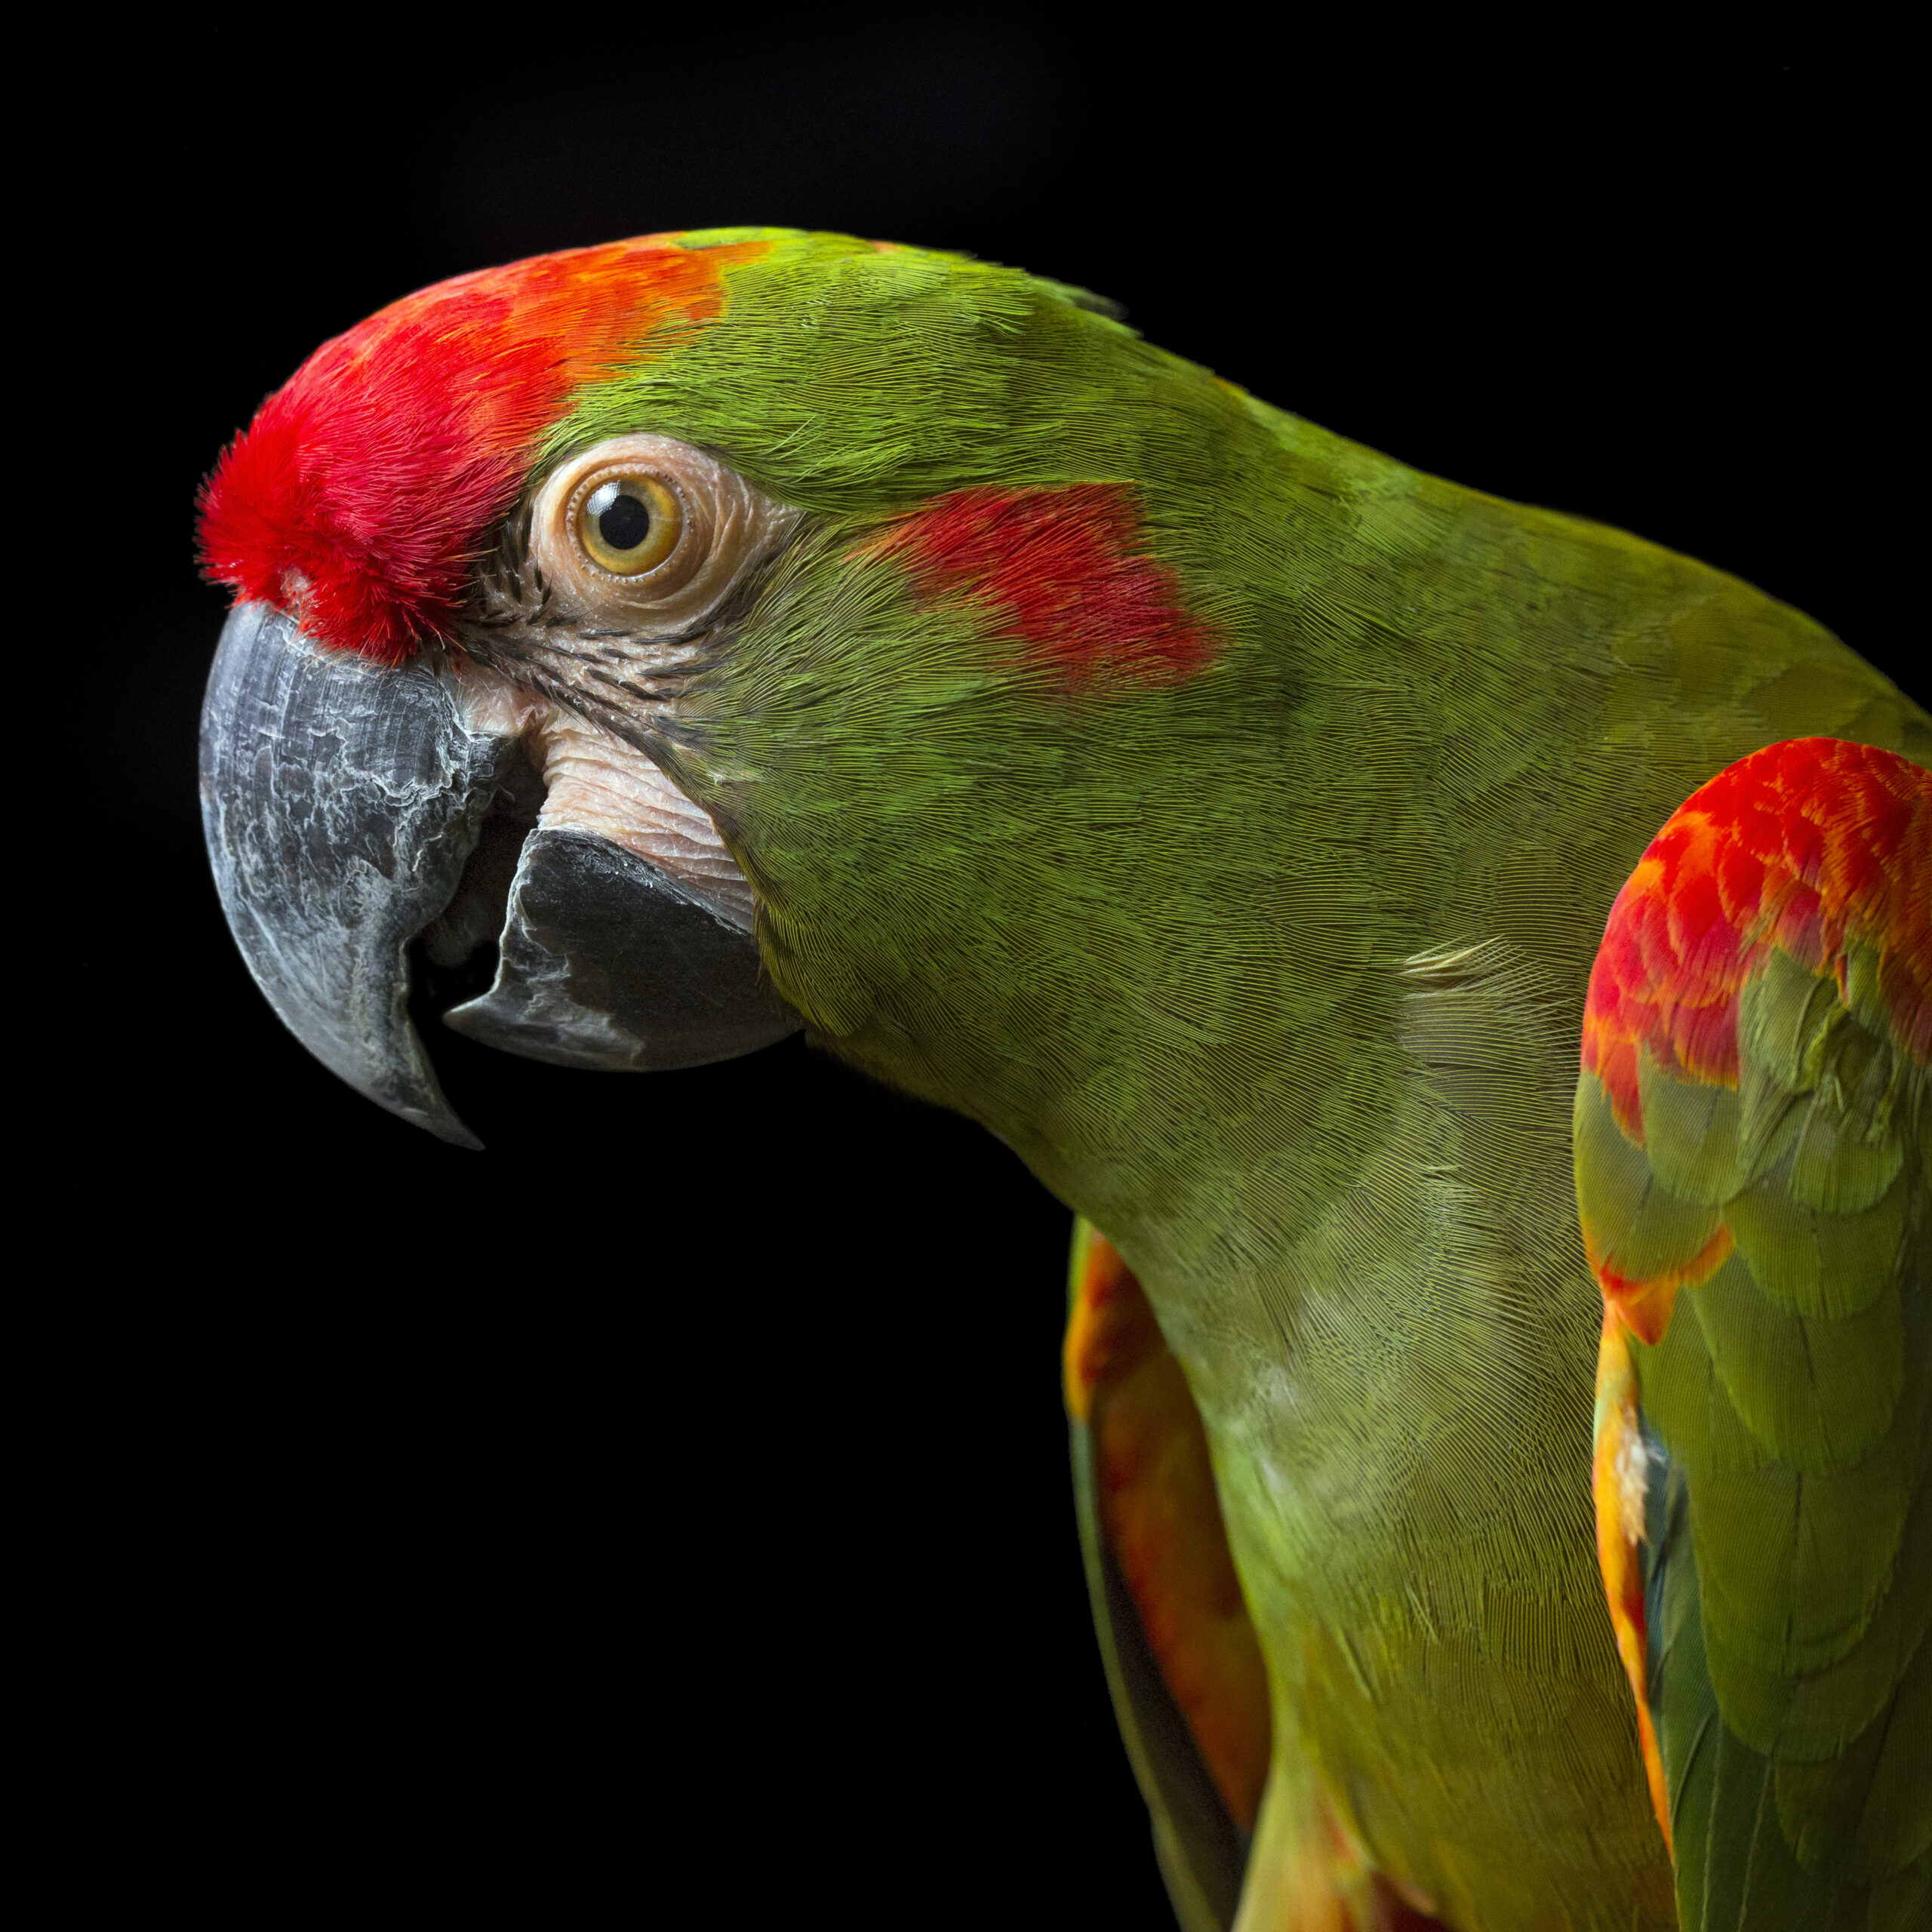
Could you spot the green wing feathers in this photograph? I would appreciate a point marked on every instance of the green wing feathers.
(1753, 1139)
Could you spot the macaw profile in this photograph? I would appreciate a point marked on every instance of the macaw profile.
(1469, 970)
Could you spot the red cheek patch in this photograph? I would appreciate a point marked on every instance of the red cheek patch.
(1066, 569)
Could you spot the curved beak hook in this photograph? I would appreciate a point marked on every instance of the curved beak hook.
(340, 799)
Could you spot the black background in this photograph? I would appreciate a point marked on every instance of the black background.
(675, 1495)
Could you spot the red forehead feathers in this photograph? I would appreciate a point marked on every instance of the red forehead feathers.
(361, 492)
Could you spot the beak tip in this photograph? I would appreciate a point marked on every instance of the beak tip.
(447, 1127)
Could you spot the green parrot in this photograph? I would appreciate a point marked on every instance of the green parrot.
(1325, 878)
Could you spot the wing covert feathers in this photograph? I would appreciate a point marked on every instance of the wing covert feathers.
(1753, 1146)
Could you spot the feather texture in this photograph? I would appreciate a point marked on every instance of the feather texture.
(1224, 814)
(1754, 1171)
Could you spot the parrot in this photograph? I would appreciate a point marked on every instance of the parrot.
(1467, 969)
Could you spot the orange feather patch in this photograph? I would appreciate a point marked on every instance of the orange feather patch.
(1162, 1520)
(1617, 1478)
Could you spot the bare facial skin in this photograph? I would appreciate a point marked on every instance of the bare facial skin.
(587, 626)
(584, 631)
(595, 783)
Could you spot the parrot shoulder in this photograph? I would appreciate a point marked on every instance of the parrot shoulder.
(1753, 1153)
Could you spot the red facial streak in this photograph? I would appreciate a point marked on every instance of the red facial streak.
(361, 493)
(1808, 846)
(1068, 570)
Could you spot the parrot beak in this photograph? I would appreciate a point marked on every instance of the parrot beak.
(350, 809)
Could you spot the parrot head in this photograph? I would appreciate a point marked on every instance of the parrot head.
(742, 630)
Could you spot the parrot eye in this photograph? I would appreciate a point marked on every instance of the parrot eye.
(648, 532)
(629, 524)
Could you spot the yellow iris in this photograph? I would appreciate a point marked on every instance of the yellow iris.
(629, 524)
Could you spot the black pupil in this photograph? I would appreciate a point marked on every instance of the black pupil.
(625, 525)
